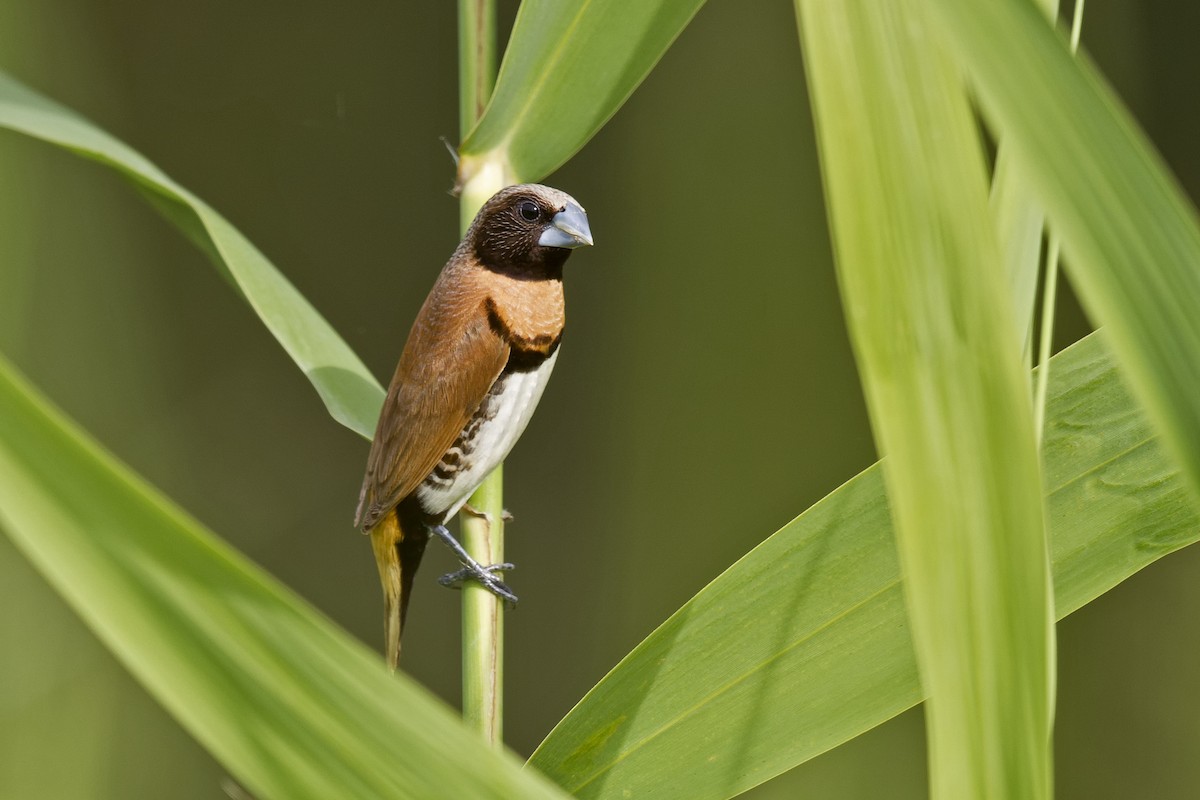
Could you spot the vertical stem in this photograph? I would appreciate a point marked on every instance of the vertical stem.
(1050, 288)
(483, 537)
(1049, 292)
(1076, 25)
(476, 64)
(483, 616)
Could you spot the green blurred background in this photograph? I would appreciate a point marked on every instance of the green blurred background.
(707, 394)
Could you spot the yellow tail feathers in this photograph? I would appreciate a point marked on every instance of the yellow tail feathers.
(385, 541)
(397, 554)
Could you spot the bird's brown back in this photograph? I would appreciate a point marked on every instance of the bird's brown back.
(459, 344)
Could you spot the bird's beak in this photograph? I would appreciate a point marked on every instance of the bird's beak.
(568, 228)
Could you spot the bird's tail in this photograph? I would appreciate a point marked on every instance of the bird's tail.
(397, 554)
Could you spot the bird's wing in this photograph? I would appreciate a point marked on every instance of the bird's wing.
(452, 358)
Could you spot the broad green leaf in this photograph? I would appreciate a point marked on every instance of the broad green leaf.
(568, 67)
(349, 391)
(293, 706)
(1130, 237)
(762, 671)
(932, 325)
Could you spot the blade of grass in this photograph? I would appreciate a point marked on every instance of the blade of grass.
(289, 703)
(568, 67)
(1049, 298)
(1050, 283)
(932, 328)
(808, 664)
(1129, 234)
(1019, 223)
(348, 390)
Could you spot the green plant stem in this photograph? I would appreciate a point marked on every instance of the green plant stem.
(1050, 287)
(483, 531)
(483, 536)
(476, 62)
(483, 615)
(1076, 25)
(1049, 293)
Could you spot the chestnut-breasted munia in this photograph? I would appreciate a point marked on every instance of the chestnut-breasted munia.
(474, 367)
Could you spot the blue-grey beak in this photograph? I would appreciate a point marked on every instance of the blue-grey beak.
(568, 228)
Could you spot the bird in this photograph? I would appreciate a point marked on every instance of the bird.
(471, 373)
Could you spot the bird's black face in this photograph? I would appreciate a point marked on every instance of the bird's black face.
(529, 231)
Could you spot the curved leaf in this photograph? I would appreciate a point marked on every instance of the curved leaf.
(293, 706)
(927, 308)
(349, 391)
(1130, 236)
(760, 671)
(568, 67)
(1019, 222)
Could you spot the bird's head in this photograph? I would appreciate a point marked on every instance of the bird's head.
(528, 229)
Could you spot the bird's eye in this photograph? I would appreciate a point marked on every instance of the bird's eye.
(529, 211)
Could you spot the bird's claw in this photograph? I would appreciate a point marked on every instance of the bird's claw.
(485, 576)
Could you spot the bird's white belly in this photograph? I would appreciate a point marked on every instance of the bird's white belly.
(486, 441)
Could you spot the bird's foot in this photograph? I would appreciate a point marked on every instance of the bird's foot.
(505, 514)
(484, 576)
(473, 570)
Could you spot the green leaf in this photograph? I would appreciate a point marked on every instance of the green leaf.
(1019, 222)
(349, 391)
(804, 643)
(568, 67)
(931, 321)
(288, 702)
(1130, 237)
